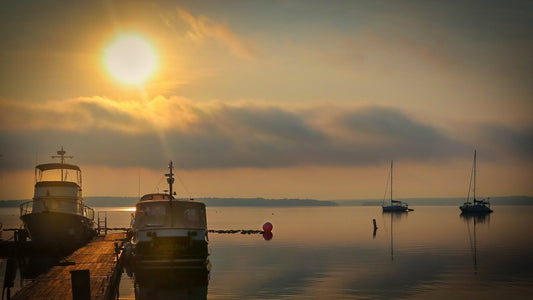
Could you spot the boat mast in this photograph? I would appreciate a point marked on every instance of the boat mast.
(474, 176)
(391, 182)
(61, 154)
(170, 180)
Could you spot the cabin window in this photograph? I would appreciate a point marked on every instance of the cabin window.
(192, 215)
(151, 215)
(188, 216)
(155, 211)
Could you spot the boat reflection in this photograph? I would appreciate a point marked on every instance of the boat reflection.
(474, 218)
(171, 283)
(395, 216)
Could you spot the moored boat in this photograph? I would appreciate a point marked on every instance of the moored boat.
(57, 217)
(169, 232)
(480, 206)
(395, 205)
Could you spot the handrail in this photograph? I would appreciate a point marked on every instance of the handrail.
(82, 209)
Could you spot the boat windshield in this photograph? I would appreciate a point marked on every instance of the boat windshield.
(58, 172)
(178, 215)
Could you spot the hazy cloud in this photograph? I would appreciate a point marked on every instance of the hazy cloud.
(204, 28)
(511, 140)
(221, 135)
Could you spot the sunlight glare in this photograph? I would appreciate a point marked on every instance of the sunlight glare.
(130, 59)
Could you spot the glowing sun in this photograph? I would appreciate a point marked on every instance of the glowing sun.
(130, 59)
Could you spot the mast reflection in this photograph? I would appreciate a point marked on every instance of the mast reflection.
(474, 218)
(395, 216)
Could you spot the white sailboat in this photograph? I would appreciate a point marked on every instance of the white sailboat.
(395, 205)
(476, 206)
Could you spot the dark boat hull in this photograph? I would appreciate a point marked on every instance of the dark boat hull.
(475, 209)
(395, 208)
(56, 230)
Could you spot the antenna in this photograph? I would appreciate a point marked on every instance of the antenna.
(170, 180)
(61, 154)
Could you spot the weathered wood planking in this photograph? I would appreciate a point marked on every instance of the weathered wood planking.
(98, 257)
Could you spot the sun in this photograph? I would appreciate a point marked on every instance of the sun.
(130, 59)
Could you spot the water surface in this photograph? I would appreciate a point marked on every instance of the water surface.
(332, 252)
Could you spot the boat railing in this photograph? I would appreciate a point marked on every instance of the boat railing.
(482, 201)
(59, 204)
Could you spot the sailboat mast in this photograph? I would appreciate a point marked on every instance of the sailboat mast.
(474, 175)
(391, 182)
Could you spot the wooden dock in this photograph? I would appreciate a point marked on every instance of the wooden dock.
(99, 257)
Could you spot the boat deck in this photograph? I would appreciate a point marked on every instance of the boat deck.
(99, 257)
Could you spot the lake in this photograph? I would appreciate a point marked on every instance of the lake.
(332, 252)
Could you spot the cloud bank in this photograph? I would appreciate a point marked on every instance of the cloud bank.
(218, 135)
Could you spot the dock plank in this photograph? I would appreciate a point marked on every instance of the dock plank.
(98, 257)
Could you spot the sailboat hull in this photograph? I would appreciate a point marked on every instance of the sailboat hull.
(395, 208)
(478, 208)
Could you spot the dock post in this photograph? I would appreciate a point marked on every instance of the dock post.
(98, 223)
(81, 284)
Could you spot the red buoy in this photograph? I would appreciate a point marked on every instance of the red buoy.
(267, 227)
(267, 235)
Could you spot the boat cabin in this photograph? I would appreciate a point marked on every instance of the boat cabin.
(57, 189)
(157, 210)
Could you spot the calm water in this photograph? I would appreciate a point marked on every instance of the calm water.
(331, 252)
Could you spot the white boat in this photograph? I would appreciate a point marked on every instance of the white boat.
(169, 232)
(57, 217)
(395, 205)
(477, 205)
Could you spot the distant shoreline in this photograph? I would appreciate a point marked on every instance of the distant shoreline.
(262, 202)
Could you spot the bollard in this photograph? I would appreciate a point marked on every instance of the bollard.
(81, 284)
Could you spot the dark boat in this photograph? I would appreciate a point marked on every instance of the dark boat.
(57, 217)
(169, 232)
(478, 206)
(395, 205)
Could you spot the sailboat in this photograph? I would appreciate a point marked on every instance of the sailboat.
(395, 205)
(477, 206)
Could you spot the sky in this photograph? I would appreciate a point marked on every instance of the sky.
(273, 99)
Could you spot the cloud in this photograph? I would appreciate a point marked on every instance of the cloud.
(389, 51)
(215, 134)
(505, 139)
(202, 28)
(398, 134)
